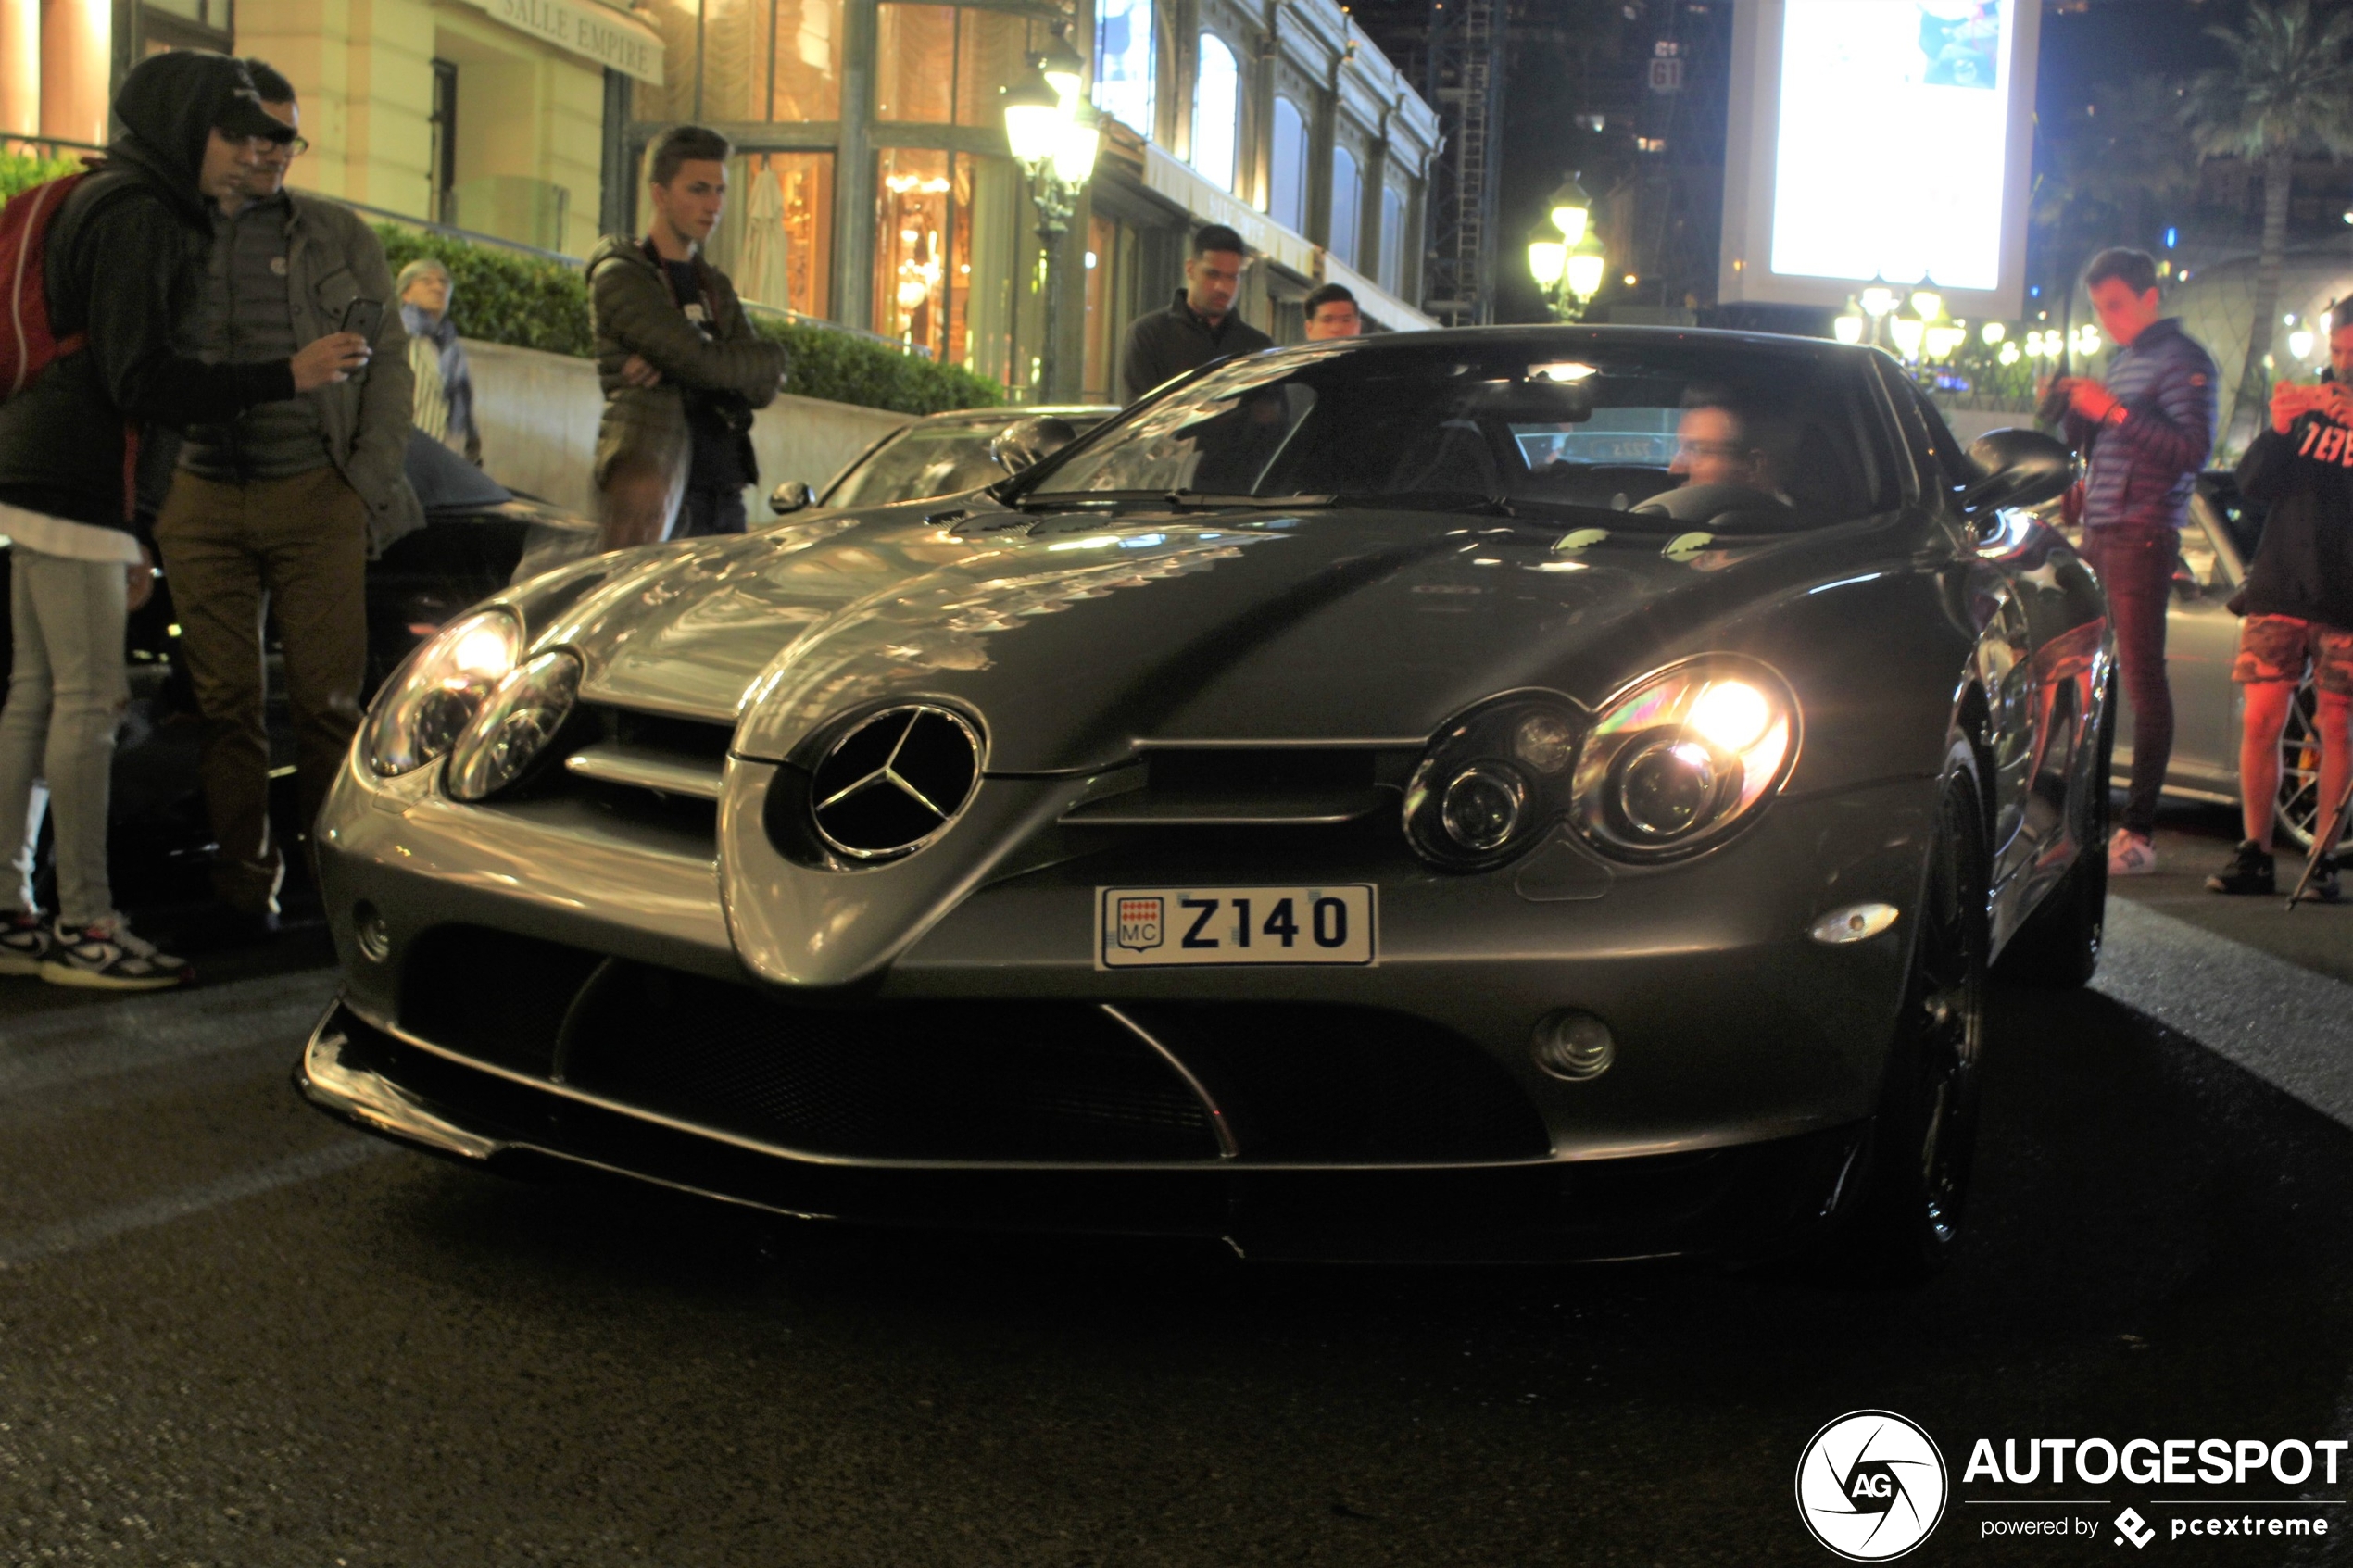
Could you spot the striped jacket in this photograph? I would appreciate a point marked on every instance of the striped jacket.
(2141, 468)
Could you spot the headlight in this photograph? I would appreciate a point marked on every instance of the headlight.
(423, 708)
(1494, 781)
(1680, 756)
(514, 727)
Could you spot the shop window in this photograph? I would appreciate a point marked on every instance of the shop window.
(1348, 195)
(924, 213)
(942, 64)
(776, 239)
(1124, 63)
(1287, 190)
(1392, 237)
(762, 60)
(1217, 112)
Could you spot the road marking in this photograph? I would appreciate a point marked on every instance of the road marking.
(2287, 1026)
(71, 1236)
(140, 1034)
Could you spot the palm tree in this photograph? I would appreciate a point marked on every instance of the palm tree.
(2287, 87)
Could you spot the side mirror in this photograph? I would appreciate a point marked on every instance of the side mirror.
(2022, 468)
(1029, 441)
(790, 496)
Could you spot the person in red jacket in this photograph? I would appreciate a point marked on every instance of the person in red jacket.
(2299, 605)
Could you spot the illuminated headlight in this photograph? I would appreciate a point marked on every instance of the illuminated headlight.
(424, 707)
(1681, 756)
(1494, 781)
(512, 730)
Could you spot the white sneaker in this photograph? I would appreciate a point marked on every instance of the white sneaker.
(2131, 854)
(105, 955)
(24, 942)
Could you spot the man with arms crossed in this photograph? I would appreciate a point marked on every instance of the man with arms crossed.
(1200, 325)
(2147, 431)
(2299, 604)
(682, 367)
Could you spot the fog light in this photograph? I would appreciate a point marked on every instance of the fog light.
(1575, 1046)
(1853, 924)
(371, 933)
(1481, 807)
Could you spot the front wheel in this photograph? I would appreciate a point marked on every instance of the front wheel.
(1914, 1164)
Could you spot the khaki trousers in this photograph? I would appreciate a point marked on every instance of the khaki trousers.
(297, 548)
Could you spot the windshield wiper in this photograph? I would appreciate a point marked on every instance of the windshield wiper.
(1466, 501)
(1181, 500)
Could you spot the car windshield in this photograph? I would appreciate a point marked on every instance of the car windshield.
(918, 464)
(1606, 426)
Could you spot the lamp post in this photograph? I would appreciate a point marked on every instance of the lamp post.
(1057, 149)
(1564, 256)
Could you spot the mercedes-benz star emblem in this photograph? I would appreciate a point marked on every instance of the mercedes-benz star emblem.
(894, 780)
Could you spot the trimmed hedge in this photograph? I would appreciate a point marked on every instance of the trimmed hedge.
(21, 172)
(532, 303)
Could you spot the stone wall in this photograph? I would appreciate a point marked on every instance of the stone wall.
(538, 414)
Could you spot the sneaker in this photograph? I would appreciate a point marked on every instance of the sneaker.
(105, 955)
(2249, 871)
(2323, 888)
(24, 942)
(2131, 854)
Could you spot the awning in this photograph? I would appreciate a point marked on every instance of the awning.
(614, 39)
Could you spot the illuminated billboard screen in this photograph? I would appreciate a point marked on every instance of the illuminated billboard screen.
(1879, 139)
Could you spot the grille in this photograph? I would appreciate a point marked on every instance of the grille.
(942, 1081)
(492, 995)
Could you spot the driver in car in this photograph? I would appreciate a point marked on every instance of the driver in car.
(1719, 441)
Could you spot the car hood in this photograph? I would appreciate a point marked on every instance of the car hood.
(1075, 638)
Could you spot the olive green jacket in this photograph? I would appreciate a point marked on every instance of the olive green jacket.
(643, 446)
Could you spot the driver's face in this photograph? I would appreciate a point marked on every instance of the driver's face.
(1708, 449)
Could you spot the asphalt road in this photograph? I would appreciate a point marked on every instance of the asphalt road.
(232, 1334)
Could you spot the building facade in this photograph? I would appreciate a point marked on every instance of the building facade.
(872, 185)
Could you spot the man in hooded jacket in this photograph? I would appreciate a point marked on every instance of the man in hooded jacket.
(122, 260)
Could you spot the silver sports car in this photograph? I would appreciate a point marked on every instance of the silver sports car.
(1322, 808)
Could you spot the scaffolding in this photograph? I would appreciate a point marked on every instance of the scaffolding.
(1463, 72)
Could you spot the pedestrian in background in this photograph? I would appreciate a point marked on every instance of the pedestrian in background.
(445, 408)
(122, 263)
(681, 366)
(1331, 312)
(2299, 604)
(278, 508)
(2147, 431)
(1200, 325)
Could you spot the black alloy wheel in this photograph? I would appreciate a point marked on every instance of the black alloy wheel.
(2059, 945)
(1917, 1162)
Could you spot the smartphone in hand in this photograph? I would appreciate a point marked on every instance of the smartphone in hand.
(365, 316)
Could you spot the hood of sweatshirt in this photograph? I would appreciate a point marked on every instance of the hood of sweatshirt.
(168, 107)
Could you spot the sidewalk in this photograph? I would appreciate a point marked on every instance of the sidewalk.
(2192, 844)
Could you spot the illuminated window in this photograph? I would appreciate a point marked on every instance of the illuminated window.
(1217, 112)
(942, 64)
(1124, 63)
(1347, 205)
(776, 238)
(923, 250)
(1288, 186)
(764, 60)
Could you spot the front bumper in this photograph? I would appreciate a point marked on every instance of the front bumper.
(1748, 1201)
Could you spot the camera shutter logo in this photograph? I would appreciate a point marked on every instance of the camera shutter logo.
(1871, 1486)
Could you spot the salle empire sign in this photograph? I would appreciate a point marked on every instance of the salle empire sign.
(586, 28)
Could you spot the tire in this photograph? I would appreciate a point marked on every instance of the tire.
(1916, 1161)
(2059, 947)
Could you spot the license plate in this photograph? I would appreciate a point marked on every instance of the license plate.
(1160, 927)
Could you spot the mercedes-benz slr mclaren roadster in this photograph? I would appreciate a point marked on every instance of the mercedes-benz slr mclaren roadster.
(1523, 792)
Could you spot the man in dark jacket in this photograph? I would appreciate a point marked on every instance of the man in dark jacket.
(122, 263)
(682, 367)
(1199, 325)
(2299, 604)
(282, 504)
(2147, 431)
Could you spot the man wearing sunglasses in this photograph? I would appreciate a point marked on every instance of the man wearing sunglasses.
(281, 505)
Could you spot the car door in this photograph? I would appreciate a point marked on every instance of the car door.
(2201, 638)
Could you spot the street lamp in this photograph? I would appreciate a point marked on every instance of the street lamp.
(1906, 328)
(1547, 256)
(1847, 326)
(1993, 332)
(1587, 262)
(1057, 150)
(1572, 210)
